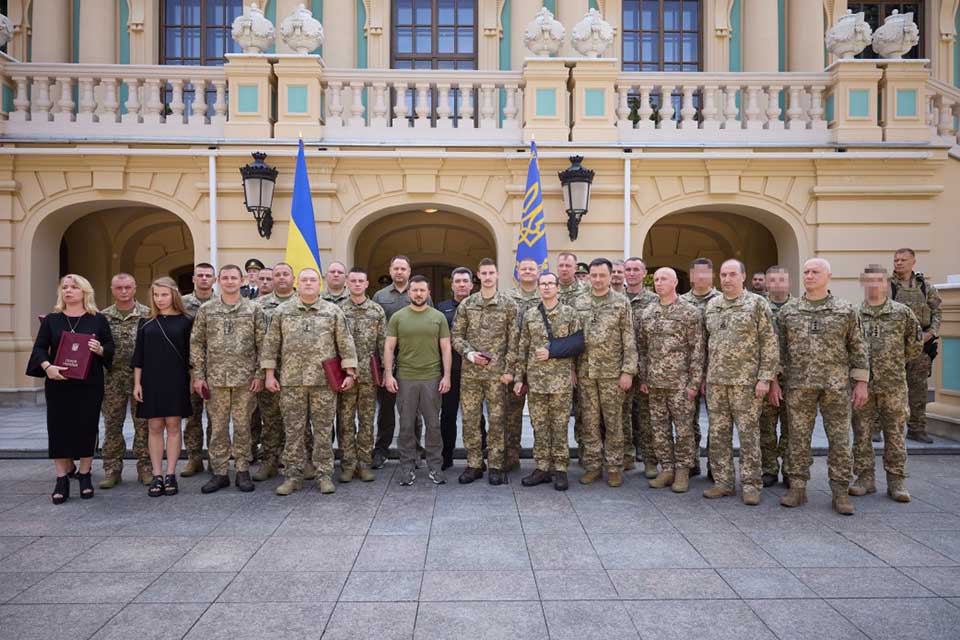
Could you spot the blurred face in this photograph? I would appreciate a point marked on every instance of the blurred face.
(566, 269)
(253, 275)
(71, 291)
(163, 298)
(203, 279)
(874, 285)
(600, 277)
(903, 263)
(357, 283)
(336, 276)
(634, 272)
(617, 275)
(731, 279)
(548, 287)
(488, 276)
(778, 283)
(583, 276)
(665, 282)
(758, 282)
(419, 292)
(527, 272)
(123, 290)
(230, 281)
(265, 281)
(308, 285)
(283, 279)
(462, 285)
(816, 275)
(701, 276)
(400, 272)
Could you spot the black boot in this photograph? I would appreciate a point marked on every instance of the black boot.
(537, 477)
(215, 483)
(469, 475)
(494, 477)
(243, 481)
(560, 482)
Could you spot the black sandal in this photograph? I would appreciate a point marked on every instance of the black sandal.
(86, 485)
(73, 471)
(62, 491)
(170, 486)
(156, 487)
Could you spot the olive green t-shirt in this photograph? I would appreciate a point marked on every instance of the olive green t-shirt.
(418, 342)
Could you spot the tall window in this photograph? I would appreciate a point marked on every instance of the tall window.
(197, 32)
(876, 11)
(662, 35)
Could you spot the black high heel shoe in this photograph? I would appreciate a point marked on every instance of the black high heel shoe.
(62, 490)
(86, 485)
(73, 471)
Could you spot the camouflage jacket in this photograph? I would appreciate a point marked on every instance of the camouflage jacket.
(368, 327)
(670, 346)
(225, 343)
(335, 298)
(568, 293)
(124, 332)
(925, 307)
(700, 302)
(271, 301)
(775, 315)
(741, 341)
(638, 304)
(524, 301)
(822, 344)
(486, 325)
(894, 338)
(554, 374)
(608, 332)
(191, 303)
(303, 336)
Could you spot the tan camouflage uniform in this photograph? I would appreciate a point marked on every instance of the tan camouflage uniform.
(700, 302)
(193, 429)
(271, 437)
(637, 431)
(515, 404)
(927, 310)
(568, 294)
(772, 451)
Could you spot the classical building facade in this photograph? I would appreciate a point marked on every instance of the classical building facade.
(124, 125)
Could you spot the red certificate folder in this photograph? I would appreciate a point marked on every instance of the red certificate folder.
(335, 373)
(74, 354)
(376, 370)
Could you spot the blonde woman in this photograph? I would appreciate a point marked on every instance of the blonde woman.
(161, 380)
(73, 406)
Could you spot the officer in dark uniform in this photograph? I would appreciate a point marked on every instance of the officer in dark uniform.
(253, 267)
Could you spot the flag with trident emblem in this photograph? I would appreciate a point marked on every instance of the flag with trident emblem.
(533, 225)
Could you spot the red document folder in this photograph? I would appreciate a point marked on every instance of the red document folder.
(74, 354)
(335, 373)
(376, 370)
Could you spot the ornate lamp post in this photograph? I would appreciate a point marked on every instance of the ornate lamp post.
(259, 179)
(575, 182)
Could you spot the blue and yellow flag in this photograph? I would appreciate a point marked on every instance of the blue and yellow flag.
(533, 225)
(303, 251)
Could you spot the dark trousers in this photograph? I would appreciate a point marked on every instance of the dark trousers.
(386, 421)
(450, 406)
(419, 399)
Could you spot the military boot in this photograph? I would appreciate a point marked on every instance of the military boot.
(365, 474)
(537, 477)
(346, 474)
(215, 483)
(750, 496)
(864, 484)
(768, 479)
(681, 481)
(629, 464)
(614, 479)
(111, 480)
(718, 491)
(267, 470)
(649, 470)
(663, 479)
(797, 494)
(145, 476)
(309, 471)
(841, 498)
(243, 481)
(560, 482)
(896, 489)
(591, 476)
(289, 486)
(695, 469)
(325, 484)
(193, 467)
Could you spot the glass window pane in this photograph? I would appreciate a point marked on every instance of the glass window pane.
(650, 46)
(216, 43)
(651, 15)
(466, 65)
(631, 15)
(671, 15)
(191, 43)
(445, 40)
(234, 9)
(446, 13)
(404, 40)
(422, 64)
(465, 40)
(191, 11)
(215, 12)
(465, 12)
(174, 12)
(672, 67)
(446, 64)
(691, 67)
(671, 47)
(171, 45)
(423, 12)
(404, 11)
(650, 66)
(690, 46)
(423, 40)
(631, 46)
(691, 15)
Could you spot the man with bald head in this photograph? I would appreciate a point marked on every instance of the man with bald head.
(336, 281)
(824, 355)
(671, 353)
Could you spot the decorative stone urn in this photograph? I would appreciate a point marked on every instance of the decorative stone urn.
(252, 30)
(6, 30)
(544, 34)
(896, 36)
(592, 35)
(849, 36)
(301, 31)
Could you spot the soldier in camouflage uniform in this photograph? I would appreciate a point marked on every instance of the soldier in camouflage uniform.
(225, 347)
(605, 370)
(758, 284)
(336, 279)
(670, 350)
(550, 382)
(204, 276)
(638, 433)
(124, 318)
(265, 286)
(485, 326)
(303, 333)
(618, 277)
(572, 288)
(356, 407)
(909, 287)
(702, 292)
(894, 337)
(772, 451)
(744, 356)
(824, 351)
(525, 295)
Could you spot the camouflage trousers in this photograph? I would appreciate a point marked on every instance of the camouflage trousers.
(728, 405)
(355, 413)
(193, 430)
(918, 370)
(308, 412)
(772, 451)
(117, 395)
(642, 427)
(473, 393)
(226, 405)
(514, 428)
(626, 417)
(550, 416)
(271, 437)
(256, 428)
(695, 424)
(601, 399)
(835, 407)
(669, 409)
(883, 412)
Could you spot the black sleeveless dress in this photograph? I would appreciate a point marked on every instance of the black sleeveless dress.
(165, 375)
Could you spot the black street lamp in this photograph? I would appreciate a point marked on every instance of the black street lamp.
(575, 182)
(259, 179)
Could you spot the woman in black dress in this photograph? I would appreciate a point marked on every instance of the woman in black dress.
(161, 379)
(73, 406)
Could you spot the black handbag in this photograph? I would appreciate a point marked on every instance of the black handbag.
(567, 347)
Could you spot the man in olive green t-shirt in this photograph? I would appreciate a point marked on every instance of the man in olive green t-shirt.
(423, 337)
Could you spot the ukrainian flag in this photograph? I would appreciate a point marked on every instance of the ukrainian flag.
(302, 248)
(533, 227)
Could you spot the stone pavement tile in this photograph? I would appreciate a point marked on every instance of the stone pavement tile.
(604, 521)
(132, 554)
(497, 508)
(261, 621)
(9, 544)
(9, 502)
(462, 521)
(180, 523)
(645, 551)
(306, 553)
(943, 581)
(804, 620)
(219, 554)
(765, 582)
(899, 618)
(480, 621)
(542, 501)
(780, 520)
(381, 620)
(392, 553)
(568, 584)
(690, 504)
(185, 588)
(35, 622)
(672, 584)
(591, 620)
(13, 583)
(353, 524)
(898, 550)
(814, 549)
(256, 520)
(863, 582)
(151, 622)
(567, 551)
(907, 522)
(287, 586)
(703, 619)
(47, 554)
(730, 550)
(934, 501)
(709, 521)
(83, 588)
(449, 586)
(859, 521)
(411, 524)
(382, 586)
(945, 542)
(477, 552)
(560, 523)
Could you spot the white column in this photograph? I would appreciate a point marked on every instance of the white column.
(761, 35)
(98, 31)
(212, 185)
(50, 41)
(804, 36)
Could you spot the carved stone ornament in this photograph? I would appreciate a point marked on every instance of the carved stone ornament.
(6, 30)
(544, 34)
(252, 30)
(896, 36)
(849, 36)
(592, 35)
(301, 31)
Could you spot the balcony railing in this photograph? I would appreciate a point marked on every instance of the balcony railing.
(943, 109)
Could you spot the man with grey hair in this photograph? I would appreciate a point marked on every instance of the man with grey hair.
(335, 290)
